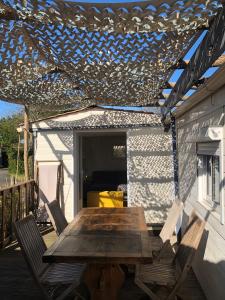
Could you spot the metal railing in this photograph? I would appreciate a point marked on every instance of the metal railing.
(16, 202)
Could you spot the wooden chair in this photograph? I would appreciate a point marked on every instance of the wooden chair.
(160, 243)
(172, 274)
(56, 281)
(56, 216)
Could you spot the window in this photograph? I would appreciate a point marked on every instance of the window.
(209, 173)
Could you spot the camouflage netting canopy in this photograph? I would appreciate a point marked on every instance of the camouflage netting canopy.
(64, 54)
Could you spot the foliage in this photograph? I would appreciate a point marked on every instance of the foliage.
(12, 158)
(8, 126)
(9, 141)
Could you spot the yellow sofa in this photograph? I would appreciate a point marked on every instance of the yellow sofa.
(105, 199)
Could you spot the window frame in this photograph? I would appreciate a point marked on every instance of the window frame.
(206, 180)
(203, 198)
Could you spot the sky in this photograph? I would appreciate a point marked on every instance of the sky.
(7, 109)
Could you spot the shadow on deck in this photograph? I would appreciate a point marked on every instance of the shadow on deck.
(16, 282)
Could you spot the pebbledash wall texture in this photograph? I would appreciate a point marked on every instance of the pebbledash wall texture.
(150, 171)
(150, 175)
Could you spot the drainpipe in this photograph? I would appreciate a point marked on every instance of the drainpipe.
(222, 179)
(175, 156)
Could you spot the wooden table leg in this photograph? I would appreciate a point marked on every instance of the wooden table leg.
(104, 281)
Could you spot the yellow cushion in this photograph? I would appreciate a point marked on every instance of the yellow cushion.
(105, 199)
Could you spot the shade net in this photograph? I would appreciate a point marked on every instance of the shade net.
(61, 55)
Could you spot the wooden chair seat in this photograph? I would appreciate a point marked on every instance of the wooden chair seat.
(160, 273)
(165, 274)
(62, 273)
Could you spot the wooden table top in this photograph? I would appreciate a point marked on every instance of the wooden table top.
(104, 235)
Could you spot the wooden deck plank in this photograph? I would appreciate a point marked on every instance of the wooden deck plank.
(191, 289)
(16, 282)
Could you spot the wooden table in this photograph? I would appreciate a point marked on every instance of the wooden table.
(103, 238)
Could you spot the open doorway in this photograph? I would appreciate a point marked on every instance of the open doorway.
(103, 168)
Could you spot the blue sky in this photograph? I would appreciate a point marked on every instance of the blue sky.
(7, 109)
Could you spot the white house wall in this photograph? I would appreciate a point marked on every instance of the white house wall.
(58, 145)
(150, 172)
(210, 261)
(150, 161)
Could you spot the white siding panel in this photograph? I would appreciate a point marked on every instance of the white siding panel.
(68, 200)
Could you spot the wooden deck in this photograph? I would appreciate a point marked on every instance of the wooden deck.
(16, 282)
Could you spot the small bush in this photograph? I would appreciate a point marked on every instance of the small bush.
(12, 162)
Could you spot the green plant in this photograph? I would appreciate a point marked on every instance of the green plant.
(9, 140)
(12, 161)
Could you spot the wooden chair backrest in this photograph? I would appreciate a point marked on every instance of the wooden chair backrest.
(171, 221)
(31, 244)
(56, 216)
(186, 251)
(190, 242)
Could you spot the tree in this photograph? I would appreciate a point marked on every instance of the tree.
(9, 141)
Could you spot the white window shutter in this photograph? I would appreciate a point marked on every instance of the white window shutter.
(209, 148)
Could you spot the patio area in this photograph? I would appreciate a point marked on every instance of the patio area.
(123, 122)
(16, 282)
